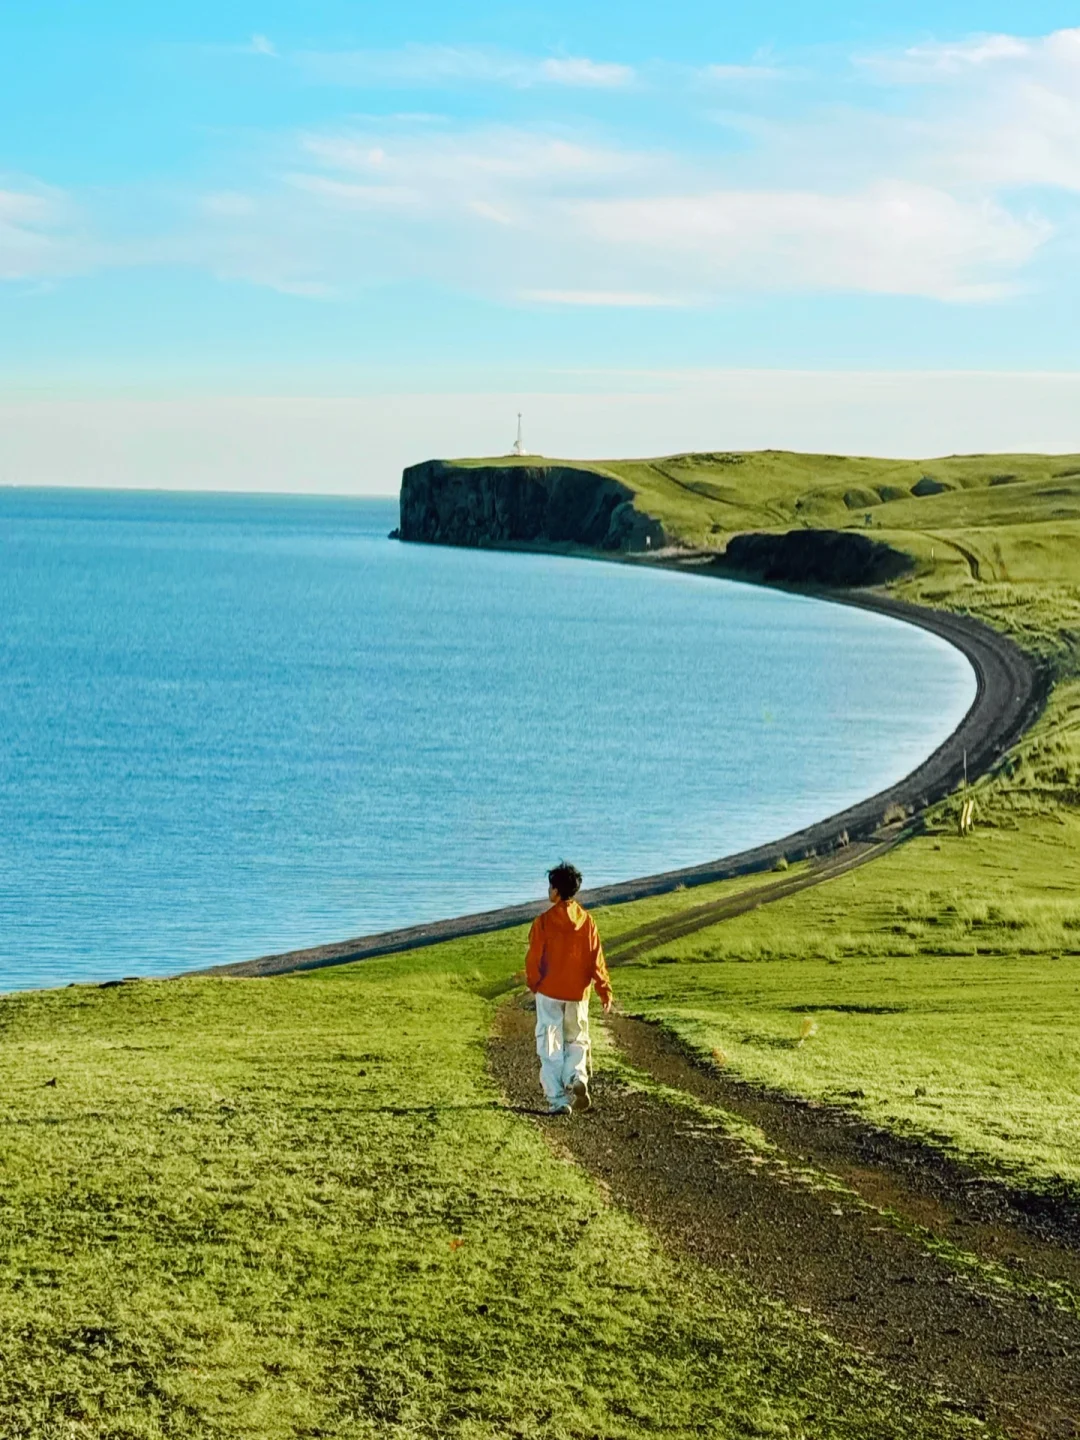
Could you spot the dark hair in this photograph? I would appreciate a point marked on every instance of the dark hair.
(566, 879)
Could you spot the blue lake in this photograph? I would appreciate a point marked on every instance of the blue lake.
(234, 725)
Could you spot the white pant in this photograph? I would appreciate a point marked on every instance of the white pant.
(562, 1042)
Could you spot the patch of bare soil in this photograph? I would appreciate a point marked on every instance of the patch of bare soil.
(1011, 1355)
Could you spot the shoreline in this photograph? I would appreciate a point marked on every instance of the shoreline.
(1011, 689)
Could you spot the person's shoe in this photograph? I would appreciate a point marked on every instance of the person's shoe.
(582, 1099)
(562, 1108)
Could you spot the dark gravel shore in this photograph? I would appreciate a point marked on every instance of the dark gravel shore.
(1011, 692)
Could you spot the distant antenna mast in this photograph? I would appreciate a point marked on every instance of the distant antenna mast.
(519, 443)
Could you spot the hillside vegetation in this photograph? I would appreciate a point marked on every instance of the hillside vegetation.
(700, 497)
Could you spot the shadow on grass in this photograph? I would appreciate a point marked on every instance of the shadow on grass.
(451, 1109)
(496, 989)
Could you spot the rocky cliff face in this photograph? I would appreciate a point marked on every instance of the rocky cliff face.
(838, 558)
(485, 505)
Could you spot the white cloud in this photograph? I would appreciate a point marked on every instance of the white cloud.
(553, 220)
(890, 239)
(833, 187)
(943, 60)
(1030, 139)
(349, 196)
(452, 65)
(856, 194)
(487, 211)
(1004, 111)
(589, 73)
(473, 164)
(37, 234)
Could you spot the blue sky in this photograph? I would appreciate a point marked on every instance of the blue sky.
(341, 200)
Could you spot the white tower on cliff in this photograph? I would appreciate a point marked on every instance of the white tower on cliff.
(519, 443)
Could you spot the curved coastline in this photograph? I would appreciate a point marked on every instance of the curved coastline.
(1011, 691)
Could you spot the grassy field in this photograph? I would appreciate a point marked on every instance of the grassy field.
(295, 1207)
(944, 983)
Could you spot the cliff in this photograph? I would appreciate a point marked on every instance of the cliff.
(447, 503)
(489, 505)
(837, 558)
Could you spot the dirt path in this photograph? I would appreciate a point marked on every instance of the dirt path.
(836, 1226)
(1033, 1236)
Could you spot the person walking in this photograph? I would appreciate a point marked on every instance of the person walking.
(565, 958)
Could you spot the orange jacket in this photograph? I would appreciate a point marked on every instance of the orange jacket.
(565, 955)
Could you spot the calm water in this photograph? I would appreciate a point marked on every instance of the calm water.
(236, 725)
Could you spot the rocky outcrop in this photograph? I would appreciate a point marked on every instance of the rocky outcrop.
(837, 558)
(490, 505)
(929, 486)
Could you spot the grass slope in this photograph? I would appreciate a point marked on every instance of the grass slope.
(944, 980)
(294, 1207)
(704, 498)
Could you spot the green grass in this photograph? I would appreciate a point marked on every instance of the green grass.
(295, 1207)
(618, 920)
